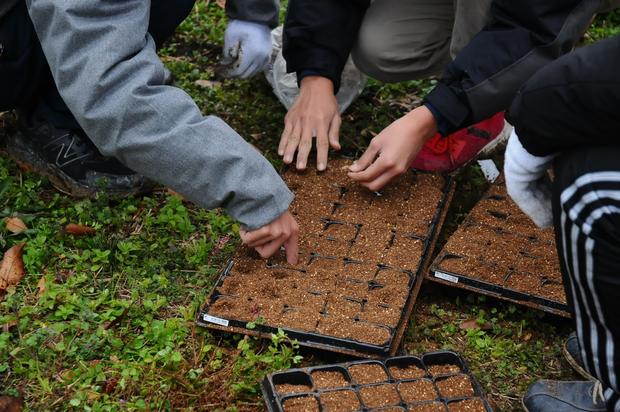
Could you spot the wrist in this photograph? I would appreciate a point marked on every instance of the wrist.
(421, 122)
(317, 83)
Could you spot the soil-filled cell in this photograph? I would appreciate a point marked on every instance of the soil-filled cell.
(394, 296)
(341, 305)
(340, 401)
(337, 326)
(362, 271)
(394, 277)
(301, 404)
(371, 243)
(427, 407)
(344, 232)
(381, 314)
(225, 308)
(467, 405)
(365, 373)
(352, 288)
(445, 369)
(329, 378)
(418, 390)
(299, 319)
(404, 252)
(474, 268)
(406, 368)
(287, 388)
(379, 395)
(457, 386)
(331, 247)
(369, 333)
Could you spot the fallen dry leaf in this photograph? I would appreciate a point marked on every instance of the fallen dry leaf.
(79, 230)
(15, 225)
(6, 328)
(473, 324)
(11, 268)
(42, 285)
(207, 84)
(11, 404)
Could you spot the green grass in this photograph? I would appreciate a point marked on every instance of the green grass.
(113, 327)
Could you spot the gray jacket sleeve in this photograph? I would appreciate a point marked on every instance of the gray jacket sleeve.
(258, 11)
(107, 71)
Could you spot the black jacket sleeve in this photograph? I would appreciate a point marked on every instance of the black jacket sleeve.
(572, 102)
(523, 36)
(319, 35)
(257, 11)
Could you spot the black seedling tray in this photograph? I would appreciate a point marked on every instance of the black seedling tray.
(276, 397)
(469, 262)
(359, 300)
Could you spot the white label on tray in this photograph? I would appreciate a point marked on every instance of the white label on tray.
(447, 277)
(213, 319)
(490, 171)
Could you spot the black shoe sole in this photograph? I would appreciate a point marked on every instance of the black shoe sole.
(26, 158)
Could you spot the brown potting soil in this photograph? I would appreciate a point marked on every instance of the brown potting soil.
(498, 244)
(407, 372)
(301, 404)
(443, 369)
(329, 379)
(340, 401)
(458, 386)
(366, 373)
(379, 395)
(287, 388)
(418, 390)
(340, 287)
(427, 407)
(467, 405)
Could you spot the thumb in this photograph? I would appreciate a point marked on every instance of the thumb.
(367, 158)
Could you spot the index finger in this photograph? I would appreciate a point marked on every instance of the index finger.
(373, 171)
(292, 248)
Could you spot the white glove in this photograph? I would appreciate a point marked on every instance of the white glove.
(247, 49)
(528, 183)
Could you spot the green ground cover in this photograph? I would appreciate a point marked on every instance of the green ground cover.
(105, 322)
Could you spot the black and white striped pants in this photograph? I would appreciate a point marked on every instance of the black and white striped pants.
(572, 107)
(587, 223)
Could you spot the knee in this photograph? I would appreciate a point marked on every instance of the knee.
(378, 55)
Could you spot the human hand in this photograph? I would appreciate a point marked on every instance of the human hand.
(247, 48)
(527, 181)
(268, 239)
(314, 114)
(390, 152)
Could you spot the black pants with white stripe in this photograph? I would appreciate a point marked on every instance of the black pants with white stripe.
(572, 107)
(587, 222)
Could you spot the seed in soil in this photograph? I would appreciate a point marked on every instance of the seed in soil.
(340, 401)
(428, 407)
(325, 379)
(410, 371)
(453, 387)
(301, 404)
(467, 405)
(287, 388)
(366, 373)
(443, 369)
(379, 395)
(418, 390)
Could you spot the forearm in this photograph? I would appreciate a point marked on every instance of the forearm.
(319, 35)
(108, 73)
(523, 37)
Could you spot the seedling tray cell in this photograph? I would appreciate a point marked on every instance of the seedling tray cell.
(362, 259)
(437, 381)
(499, 252)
